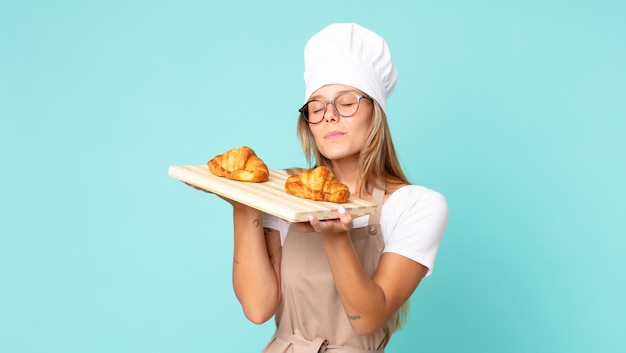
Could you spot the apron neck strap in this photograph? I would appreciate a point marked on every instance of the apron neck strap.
(378, 196)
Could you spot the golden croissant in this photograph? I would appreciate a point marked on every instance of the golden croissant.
(240, 164)
(319, 184)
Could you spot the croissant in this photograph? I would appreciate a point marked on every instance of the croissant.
(319, 184)
(240, 164)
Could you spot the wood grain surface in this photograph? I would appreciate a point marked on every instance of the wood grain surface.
(269, 196)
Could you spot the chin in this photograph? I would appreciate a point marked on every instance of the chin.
(339, 154)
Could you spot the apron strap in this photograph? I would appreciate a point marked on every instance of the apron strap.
(319, 345)
(378, 195)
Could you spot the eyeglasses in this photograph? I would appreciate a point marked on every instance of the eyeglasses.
(345, 105)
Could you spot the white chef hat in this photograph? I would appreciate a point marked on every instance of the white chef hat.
(349, 54)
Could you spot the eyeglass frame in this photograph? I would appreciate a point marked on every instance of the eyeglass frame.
(332, 102)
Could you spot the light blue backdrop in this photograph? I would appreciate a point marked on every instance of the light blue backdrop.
(514, 110)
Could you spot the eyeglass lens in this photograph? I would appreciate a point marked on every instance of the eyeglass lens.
(345, 105)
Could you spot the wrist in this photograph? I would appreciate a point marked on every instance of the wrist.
(336, 237)
(242, 210)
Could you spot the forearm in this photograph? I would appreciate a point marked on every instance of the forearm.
(364, 301)
(255, 279)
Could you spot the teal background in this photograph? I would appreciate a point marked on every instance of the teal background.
(514, 110)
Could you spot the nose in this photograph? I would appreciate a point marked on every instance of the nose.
(330, 114)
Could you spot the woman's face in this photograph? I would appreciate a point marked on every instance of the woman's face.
(340, 137)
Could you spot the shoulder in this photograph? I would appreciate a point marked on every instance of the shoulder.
(413, 222)
(415, 197)
(414, 211)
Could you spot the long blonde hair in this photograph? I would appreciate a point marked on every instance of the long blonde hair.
(378, 164)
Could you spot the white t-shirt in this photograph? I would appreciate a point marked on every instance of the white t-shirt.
(413, 221)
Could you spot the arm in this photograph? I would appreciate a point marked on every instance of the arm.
(256, 264)
(370, 301)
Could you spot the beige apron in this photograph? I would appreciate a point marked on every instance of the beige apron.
(311, 317)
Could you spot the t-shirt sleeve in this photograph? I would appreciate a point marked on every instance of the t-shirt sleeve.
(273, 222)
(414, 222)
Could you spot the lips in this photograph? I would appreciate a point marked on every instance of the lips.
(333, 135)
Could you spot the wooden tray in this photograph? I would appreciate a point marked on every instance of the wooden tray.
(269, 196)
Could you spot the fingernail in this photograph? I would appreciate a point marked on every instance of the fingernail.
(341, 210)
(311, 218)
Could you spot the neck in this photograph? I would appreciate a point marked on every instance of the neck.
(347, 172)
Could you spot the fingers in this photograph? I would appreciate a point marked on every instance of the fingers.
(341, 224)
(304, 227)
(345, 218)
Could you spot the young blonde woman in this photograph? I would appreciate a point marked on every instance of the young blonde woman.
(340, 285)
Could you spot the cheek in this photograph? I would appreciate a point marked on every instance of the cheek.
(362, 128)
(316, 132)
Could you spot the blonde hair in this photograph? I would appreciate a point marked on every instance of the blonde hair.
(378, 164)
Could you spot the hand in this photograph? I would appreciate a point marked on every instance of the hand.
(338, 225)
